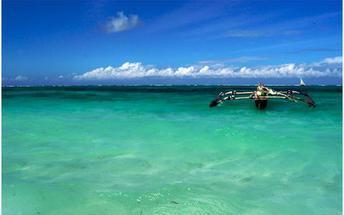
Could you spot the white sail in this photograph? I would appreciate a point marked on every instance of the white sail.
(302, 83)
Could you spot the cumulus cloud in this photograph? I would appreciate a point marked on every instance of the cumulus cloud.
(329, 67)
(20, 78)
(335, 60)
(122, 22)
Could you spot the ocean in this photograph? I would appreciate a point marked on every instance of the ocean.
(162, 150)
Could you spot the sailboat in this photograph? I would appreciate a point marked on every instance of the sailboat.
(302, 83)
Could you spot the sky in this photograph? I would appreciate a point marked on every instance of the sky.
(171, 42)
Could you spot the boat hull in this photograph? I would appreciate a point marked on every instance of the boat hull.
(261, 104)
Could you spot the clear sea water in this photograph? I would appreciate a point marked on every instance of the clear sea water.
(162, 150)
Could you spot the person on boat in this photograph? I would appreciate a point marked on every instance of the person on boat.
(261, 91)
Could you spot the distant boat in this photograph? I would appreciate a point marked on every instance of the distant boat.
(302, 83)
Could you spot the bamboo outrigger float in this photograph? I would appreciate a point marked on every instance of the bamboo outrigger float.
(261, 96)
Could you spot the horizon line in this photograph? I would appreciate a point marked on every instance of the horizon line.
(166, 85)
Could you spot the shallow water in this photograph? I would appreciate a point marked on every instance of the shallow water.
(161, 150)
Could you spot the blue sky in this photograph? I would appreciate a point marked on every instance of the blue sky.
(123, 42)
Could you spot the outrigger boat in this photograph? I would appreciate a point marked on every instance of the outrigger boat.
(261, 96)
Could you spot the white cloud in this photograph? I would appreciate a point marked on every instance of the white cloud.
(21, 78)
(326, 68)
(334, 60)
(122, 22)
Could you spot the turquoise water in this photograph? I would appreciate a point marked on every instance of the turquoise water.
(161, 150)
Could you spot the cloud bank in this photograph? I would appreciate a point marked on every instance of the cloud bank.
(122, 22)
(334, 60)
(329, 67)
(20, 78)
